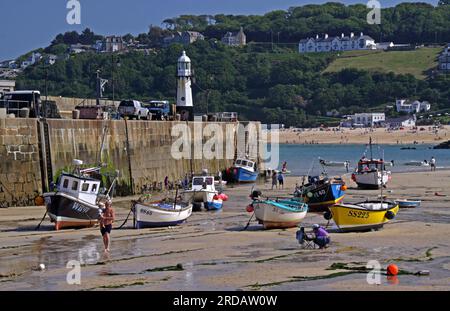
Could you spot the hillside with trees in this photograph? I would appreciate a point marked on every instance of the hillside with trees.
(274, 85)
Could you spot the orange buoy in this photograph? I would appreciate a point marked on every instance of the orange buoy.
(344, 187)
(249, 208)
(392, 269)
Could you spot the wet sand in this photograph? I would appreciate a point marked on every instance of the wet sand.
(211, 252)
(360, 136)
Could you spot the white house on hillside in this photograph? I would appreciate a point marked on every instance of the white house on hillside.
(404, 105)
(405, 121)
(342, 43)
(444, 59)
(368, 119)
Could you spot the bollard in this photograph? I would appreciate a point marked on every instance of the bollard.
(75, 114)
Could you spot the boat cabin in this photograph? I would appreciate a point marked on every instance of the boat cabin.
(203, 183)
(83, 188)
(247, 164)
(371, 165)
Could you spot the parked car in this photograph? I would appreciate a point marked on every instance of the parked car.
(159, 109)
(133, 109)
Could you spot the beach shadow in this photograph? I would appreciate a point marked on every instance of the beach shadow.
(31, 228)
(241, 228)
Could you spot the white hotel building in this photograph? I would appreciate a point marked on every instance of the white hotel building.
(342, 43)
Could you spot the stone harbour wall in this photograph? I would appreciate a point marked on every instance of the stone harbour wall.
(20, 175)
(140, 150)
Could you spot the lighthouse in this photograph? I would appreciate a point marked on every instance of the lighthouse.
(184, 92)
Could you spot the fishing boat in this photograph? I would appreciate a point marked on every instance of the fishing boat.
(405, 203)
(418, 163)
(277, 212)
(160, 214)
(371, 173)
(244, 170)
(75, 203)
(363, 216)
(321, 192)
(204, 192)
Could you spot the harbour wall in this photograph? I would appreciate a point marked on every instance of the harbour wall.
(33, 153)
(20, 175)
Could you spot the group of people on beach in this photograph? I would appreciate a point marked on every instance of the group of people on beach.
(278, 177)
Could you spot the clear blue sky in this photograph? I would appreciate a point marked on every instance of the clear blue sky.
(26, 25)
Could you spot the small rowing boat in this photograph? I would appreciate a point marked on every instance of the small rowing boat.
(160, 214)
(408, 203)
(278, 212)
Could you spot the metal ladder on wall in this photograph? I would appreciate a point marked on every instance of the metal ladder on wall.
(45, 155)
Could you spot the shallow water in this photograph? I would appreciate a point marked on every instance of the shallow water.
(304, 158)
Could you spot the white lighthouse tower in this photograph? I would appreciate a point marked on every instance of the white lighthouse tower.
(184, 93)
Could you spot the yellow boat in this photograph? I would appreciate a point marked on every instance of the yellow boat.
(364, 215)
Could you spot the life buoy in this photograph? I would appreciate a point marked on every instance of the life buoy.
(327, 215)
(389, 215)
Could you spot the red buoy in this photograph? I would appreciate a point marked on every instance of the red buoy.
(392, 270)
(250, 208)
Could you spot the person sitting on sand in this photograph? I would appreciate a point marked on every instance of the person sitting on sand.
(106, 220)
(322, 238)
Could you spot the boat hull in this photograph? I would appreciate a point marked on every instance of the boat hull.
(408, 204)
(243, 175)
(152, 215)
(324, 196)
(371, 180)
(272, 216)
(351, 217)
(214, 205)
(68, 212)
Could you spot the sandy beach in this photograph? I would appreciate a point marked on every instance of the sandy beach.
(360, 136)
(211, 252)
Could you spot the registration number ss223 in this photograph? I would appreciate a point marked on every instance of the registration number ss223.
(358, 214)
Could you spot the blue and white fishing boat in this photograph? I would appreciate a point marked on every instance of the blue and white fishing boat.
(203, 191)
(277, 212)
(244, 170)
(160, 214)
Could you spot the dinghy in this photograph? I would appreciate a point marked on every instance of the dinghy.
(160, 214)
(418, 163)
(364, 215)
(408, 203)
(278, 212)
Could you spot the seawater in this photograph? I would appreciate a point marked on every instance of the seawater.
(303, 159)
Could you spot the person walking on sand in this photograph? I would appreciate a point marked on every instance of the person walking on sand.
(281, 180)
(106, 220)
(433, 164)
(274, 180)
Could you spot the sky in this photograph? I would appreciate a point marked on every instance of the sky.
(26, 25)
